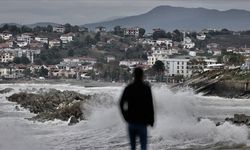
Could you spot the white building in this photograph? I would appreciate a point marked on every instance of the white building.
(25, 37)
(66, 38)
(59, 29)
(5, 36)
(80, 60)
(100, 29)
(148, 41)
(132, 31)
(6, 57)
(21, 43)
(83, 29)
(210, 61)
(110, 58)
(42, 39)
(187, 43)
(246, 65)
(5, 71)
(201, 37)
(54, 43)
(132, 63)
(164, 41)
(159, 54)
(177, 66)
(18, 52)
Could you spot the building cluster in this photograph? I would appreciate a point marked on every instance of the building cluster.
(168, 51)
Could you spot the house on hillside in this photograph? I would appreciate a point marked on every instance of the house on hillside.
(42, 39)
(66, 38)
(80, 60)
(100, 29)
(164, 41)
(187, 43)
(131, 31)
(110, 59)
(60, 29)
(83, 29)
(131, 63)
(54, 43)
(6, 36)
(201, 36)
(26, 37)
(6, 56)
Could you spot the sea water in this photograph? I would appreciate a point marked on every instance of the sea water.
(177, 125)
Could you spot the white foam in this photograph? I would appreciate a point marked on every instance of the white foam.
(176, 122)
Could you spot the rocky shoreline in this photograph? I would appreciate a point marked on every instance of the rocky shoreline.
(221, 83)
(52, 104)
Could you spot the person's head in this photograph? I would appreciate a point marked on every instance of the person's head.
(138, 74)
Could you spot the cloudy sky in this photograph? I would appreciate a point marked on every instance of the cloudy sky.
(88, 11)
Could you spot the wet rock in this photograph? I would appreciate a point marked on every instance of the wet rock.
(6, 90)
(241, 118)
(52, 104)
(17, 108)
(72, 120)
(218, 124)
(229, 119)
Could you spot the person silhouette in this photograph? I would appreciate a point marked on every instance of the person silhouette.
(136, 105)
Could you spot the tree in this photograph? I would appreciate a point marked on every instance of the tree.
(71, 53)
(118, 30)
(25, 60)
(67, 27)
(75, 29)
(42, 72)
(17, 60)
(159, 34)
(21, 60)
(169, 35)
(177, 36)
(98, 36)
(141, 32)
(49, 28)
(159, 68)
(27, 72)
(89, 40)
(25, 29)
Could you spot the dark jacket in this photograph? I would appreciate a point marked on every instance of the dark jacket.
(136, 104)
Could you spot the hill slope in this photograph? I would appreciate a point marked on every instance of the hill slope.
(170, 18)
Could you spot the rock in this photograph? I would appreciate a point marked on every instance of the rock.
(52, 104)
(229, 119)
(218, 124)
(17, 108)
(6, 90)
(72, 120)
(241, 118)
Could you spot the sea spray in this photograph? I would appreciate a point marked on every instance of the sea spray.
(177, 124)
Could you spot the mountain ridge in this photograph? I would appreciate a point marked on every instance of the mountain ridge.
(183, 18)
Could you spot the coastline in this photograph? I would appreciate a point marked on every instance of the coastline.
(85, 83)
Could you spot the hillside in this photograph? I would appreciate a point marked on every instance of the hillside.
(170, 18)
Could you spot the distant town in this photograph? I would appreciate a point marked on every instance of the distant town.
(73, 52)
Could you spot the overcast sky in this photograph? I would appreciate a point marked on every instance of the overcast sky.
(88, 11)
